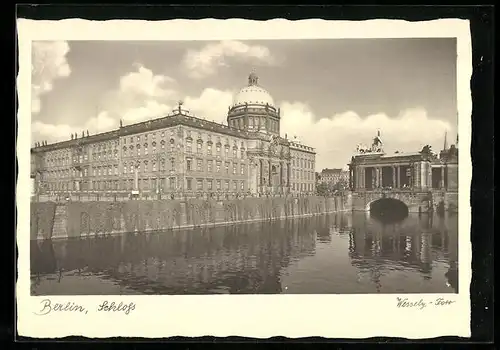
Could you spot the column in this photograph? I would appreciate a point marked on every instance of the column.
(350, 177)
(269, 183)
(398, 176)
(442, 177)
(363, 178)
(393, 176)
(380, 176)
(288, 174)
(136, 178)
(281, 174)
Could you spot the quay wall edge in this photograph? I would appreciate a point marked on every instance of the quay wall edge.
(81, 219)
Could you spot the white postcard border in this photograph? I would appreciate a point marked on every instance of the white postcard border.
(258, 316)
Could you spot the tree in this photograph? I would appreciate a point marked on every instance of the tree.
(322, 189)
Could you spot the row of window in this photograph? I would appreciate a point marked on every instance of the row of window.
(159, 184)
(303, 163)
(151, 138)
(255, 123)
(303, 187)
(218, 164)
(302, 174)
(208, 185)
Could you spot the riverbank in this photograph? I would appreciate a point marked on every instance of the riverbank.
(50, 220)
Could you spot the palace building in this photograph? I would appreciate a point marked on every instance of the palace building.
(180, 153)
(371, 168)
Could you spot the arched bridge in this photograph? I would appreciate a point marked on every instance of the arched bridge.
(415, 202)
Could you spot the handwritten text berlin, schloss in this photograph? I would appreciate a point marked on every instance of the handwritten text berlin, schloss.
(48, 307)
(421, 303)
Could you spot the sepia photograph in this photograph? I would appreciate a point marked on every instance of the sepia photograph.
(245, 166)
(293, 166)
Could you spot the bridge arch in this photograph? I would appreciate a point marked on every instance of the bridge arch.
(387, 206)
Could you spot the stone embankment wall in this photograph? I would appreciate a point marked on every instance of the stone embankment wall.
(76, 219)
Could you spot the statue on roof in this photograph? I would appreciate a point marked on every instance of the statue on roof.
(72, 136)
(83, 134)
(377, 143)
(87, 132)
(121, 123)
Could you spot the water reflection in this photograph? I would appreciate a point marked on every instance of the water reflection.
(325, 254)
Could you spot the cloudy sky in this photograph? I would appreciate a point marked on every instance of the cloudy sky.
(333, 94)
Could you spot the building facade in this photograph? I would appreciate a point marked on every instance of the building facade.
(333, 176)
(180, 153)
(371, 168)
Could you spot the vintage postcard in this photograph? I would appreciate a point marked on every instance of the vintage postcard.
(244, 178)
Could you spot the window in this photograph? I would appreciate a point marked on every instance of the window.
(163, 134)
(242, 153)
(189, 146)
(198, 146)
(154, 166)
(209, 165)
(85, 172)
(94, 172)
(209, 185)
(172, 145)
(172, 183)
(235, 185)
(189, 184)
(209, 149)
(227, 185)
(227, 151)
(188, 164)
(235, 153)
(234, 168)
(199, 184)
(125, 168)
(218, 184)
(217, 149)
(242, 185)
(131, 168)
(242, 169)
(116, 170)
(226, 165)
(218, 166)
(199, 164)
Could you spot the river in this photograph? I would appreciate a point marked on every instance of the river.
(343, 253)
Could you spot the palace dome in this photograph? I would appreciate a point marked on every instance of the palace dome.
(253, 94)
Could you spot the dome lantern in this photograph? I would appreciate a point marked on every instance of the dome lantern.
(253, 79)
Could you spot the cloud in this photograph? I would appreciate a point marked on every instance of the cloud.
(150, 110)
(143, 82)
(58, 132)
(206, 61)
(52, 132)
(102, 122)
(48, 64)
(335, 138)
(212, 104)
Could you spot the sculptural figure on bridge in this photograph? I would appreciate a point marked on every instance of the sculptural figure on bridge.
(377, 143)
